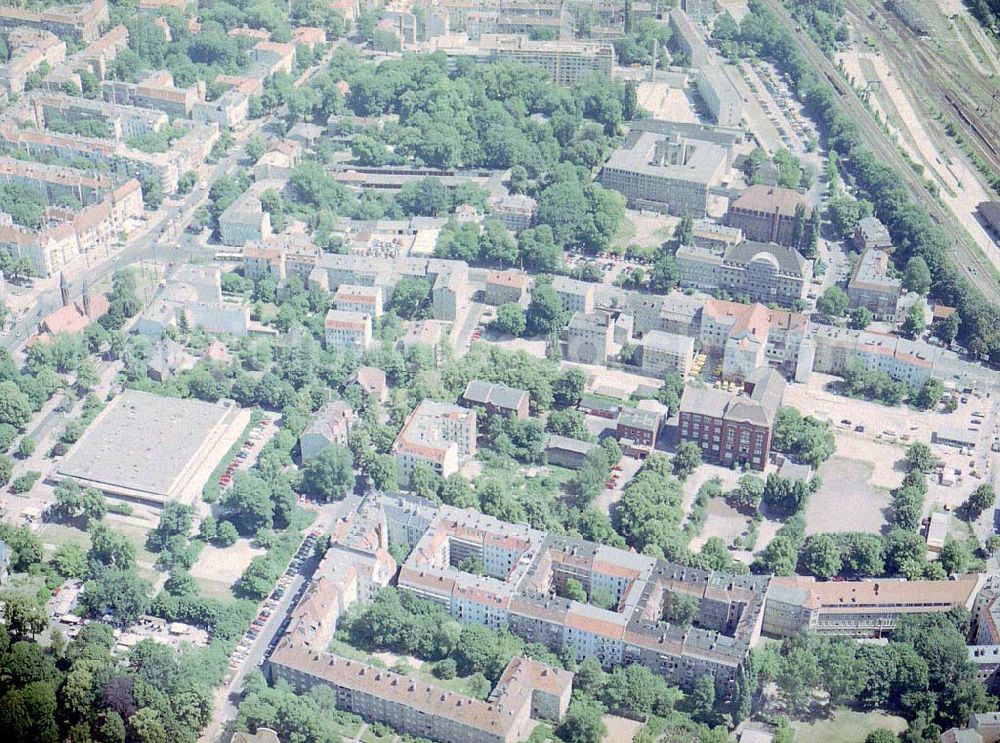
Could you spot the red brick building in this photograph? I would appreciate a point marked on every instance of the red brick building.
(733, 429)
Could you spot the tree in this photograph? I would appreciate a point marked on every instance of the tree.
(15, 409)
(832, 302)
(538, 249)
(681, 609)
(26, 447)
(947, 329)
(70, 561)
(981, 499)
(568, 387)
(545, 312)
(919, 458)
(687, 459)
(914, 324)
(881, 735)
(584, 723)
(409, 297)
(749, 492)
(382, 469)
(248, 504)
(510, 319)
(111, 549)
(929, 395)
(23, 615)
(255, 147)
(121, 593)
(860, 318)
(917, 276)
(6, 469)
(574, 591)
(702, 699)
(227, 534)
(330, 475)
(821, 556)
(798, 675)
(496, 245)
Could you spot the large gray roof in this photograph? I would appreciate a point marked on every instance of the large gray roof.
(788, 260)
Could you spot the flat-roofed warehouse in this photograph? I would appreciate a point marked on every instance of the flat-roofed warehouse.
(153, 449)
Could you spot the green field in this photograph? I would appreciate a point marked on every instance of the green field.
(846, 727)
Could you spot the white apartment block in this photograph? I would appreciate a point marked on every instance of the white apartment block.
(348, 331)
(354, 298)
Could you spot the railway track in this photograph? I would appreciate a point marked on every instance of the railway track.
(966, 256)
(952, 93)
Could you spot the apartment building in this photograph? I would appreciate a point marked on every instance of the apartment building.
(97, 57)
(451, 291)
(764, 272)
(281, 256)
(496, 399)
(440, 435)
(230, 110)
(364, 299)
(590, 337)
(669, 173)
(706, 234)
(244, 221)
(105, 211)
(986, 614)
(870, 233)
(525, 571)
(28, 50)
(767, 213)
(347, 331)
(23, 128)
(733, 429)
(873, 287)
(82, 22)
(666, 353)
(566, 62)
(329, 426)
(155, 90)
(505, 287)
(274, 56)
(575, 295)
(516, 211)
(751, 336)
(862, 609)
(836, 349)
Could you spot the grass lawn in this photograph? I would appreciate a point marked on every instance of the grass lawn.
(60, 534)
(626, 231)
(459, 685)
(370, 736)
(846, 726)
(561, 474)
(215, 589)
(137, 536)
(341, 648)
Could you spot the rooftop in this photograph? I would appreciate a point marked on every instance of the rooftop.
(769, 200)
(134, 446)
